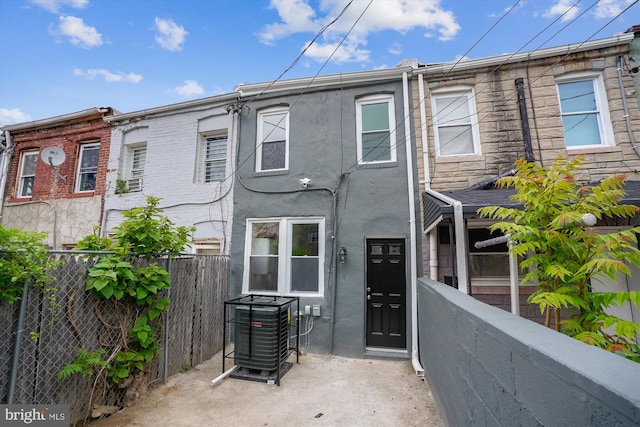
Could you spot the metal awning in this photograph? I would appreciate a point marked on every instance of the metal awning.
(474, 199)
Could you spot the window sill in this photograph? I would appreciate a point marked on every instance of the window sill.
(461, 158)
(378, 165)
(591, 150)
(271, 173)
(85, 194)
(20, 199)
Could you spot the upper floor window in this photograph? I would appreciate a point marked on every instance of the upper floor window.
(375, 127)
(284, 256)
(455, 122)
(88, 168)
(583, 107)
(212, 158)
(28, 164)
(272, 145)
(136, 159)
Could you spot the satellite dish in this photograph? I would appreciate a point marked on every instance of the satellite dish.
(53, 156)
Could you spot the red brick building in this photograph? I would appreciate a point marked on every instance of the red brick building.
(54, 175)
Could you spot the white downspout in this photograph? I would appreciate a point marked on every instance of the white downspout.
(433, 237)
(461, 241)
(4, 168)
(415, 359)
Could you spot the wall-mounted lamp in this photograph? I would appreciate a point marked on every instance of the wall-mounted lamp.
(342, 255)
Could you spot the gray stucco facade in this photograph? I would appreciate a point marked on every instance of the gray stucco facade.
(353, 202)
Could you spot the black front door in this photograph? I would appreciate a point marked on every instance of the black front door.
(386, 293)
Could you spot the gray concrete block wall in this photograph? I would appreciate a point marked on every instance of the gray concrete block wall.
(486, 366)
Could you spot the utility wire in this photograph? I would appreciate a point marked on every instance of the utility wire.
(430, 119)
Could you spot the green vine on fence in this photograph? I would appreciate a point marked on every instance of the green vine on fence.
(565, 258)
(144, 232)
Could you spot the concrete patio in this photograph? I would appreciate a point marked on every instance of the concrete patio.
(321, 390)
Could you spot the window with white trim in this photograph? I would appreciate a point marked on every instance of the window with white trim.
(375, 129)
(584, 111)
(136, 159)
(87, 168)
(455, 122)
(272, 144)
(212, 158)
(207, 247)
(284, 256)
(28, 163)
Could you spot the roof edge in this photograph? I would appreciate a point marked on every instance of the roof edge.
(251, 89)
(172, 107)
(58, 120)
(508, 58)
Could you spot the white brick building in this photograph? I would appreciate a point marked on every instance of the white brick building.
(182, 153)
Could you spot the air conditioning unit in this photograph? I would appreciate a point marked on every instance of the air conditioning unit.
(261, 340)
(134, 184)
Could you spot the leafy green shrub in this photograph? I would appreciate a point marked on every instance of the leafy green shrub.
(24, 260)
(144, 232)
(564, 257)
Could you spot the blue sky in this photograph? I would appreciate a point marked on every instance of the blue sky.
(62, 56)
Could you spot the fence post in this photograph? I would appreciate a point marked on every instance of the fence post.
(165, 374)
(16, 348)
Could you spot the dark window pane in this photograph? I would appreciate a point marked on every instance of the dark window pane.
(304, 274)
(273, 155)
(376, 146)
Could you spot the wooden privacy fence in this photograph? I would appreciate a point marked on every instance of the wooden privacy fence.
(51, 336)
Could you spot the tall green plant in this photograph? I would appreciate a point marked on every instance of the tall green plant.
(565, 257)
(144, 232)
(24, 259)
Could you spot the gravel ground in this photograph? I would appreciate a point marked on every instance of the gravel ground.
(321, 390)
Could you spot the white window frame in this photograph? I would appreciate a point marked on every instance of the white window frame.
(376, 99)
(203, 160)
(261, 137)
(207, 247)
(438, 117)
(80, 171)
(23, 176)
(285, 229)
(602, 107)
(135, 175)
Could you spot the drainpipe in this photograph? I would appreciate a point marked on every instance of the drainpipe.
(433, 239)
(5, 160)
(415, 359)
(524, 118)
(626, 107)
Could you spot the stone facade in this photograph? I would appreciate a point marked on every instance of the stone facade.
(501, 129)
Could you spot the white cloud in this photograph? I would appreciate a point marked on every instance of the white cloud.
(55, 5)
(610, 8)
(298, 16)
(395, 49)
(12, 116)
(170, 35)
(189, 88)
(79, 33)
(560, 7)
(109, 77)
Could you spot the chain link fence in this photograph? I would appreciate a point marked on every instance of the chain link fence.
(192, 332)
